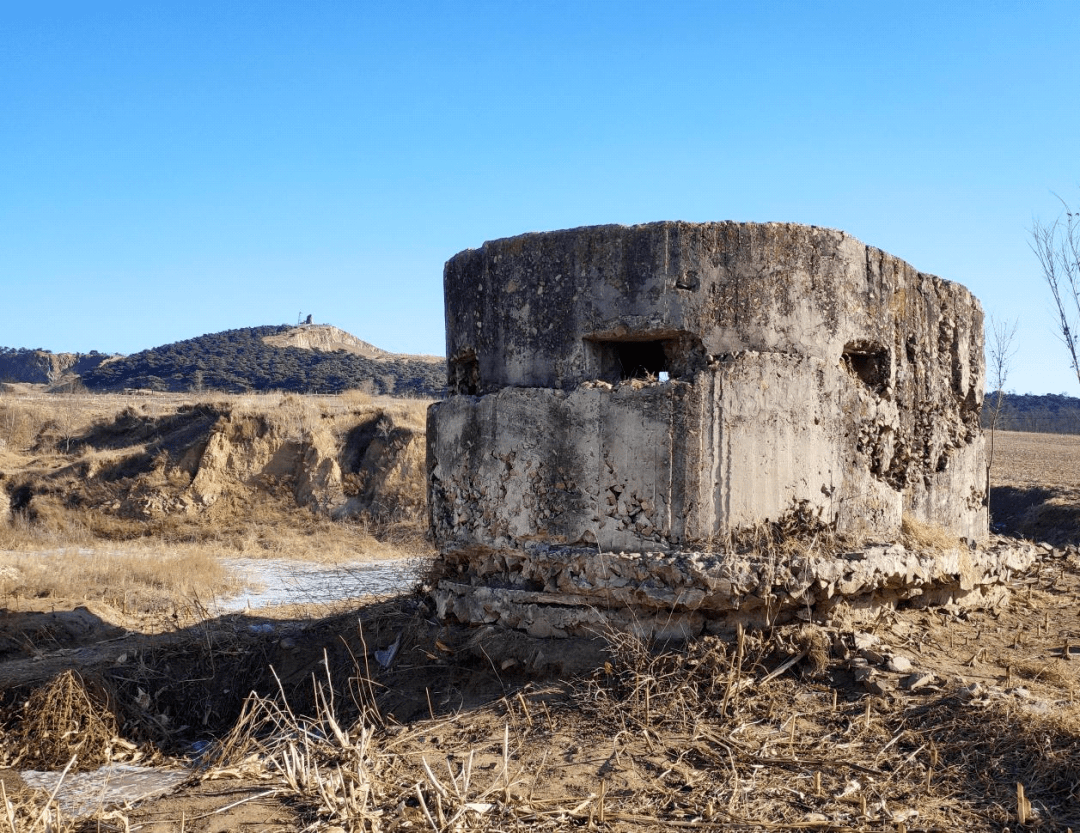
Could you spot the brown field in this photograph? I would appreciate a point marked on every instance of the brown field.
(1036, 486)
(1050, 461)
(472, 729)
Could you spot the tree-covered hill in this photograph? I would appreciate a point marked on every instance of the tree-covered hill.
(240, 360)
(1050, 413)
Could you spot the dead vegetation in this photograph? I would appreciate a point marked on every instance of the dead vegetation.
(137, 578)
(663, 740)
(384, 719)
(66, 721)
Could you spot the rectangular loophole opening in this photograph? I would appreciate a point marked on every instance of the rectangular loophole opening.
(463, 374)
(617, 361)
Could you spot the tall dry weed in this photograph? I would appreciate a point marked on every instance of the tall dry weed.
(322, 760)
(26, 812)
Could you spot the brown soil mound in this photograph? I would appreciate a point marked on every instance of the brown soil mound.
(163, 466)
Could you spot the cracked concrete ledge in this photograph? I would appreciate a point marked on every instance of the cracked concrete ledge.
(550, 591)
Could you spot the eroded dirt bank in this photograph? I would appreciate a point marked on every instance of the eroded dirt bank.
(115, 468)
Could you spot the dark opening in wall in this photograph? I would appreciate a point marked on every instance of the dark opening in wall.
(675, 356)
(641, 359)
(463, 374)
(869, 363)
(615, 361)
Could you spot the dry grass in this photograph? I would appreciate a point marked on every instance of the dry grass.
(336, 771)
(109, 479)
(918, 535)
(709, 736)
(134, 579)
(26, 812)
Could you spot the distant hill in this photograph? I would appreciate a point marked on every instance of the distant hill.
(319, 358)
(1049, 413)
(310, 358)
(306, 359)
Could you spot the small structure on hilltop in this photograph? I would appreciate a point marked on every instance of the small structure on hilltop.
(628, 404)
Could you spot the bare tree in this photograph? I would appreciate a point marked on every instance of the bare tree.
(1000, 352)
(1057, 245)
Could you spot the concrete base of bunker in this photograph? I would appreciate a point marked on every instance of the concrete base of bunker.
(564, 591)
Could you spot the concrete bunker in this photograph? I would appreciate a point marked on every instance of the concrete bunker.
(625, 401)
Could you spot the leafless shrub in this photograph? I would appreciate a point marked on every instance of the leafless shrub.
(1057, 246)
(1001, 351)
(67, 720)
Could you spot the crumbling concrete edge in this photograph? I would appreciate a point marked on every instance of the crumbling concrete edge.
(550, 591)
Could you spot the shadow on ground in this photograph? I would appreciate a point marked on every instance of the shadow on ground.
(187, 685)
(1036, 513)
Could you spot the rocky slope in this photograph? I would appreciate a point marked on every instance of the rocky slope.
(326, 338)
(43, 367)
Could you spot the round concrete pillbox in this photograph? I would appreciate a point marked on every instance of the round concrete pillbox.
(657, 386)
(625, 401)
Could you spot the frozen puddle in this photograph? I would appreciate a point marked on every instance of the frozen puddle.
(83, 793)
(274, 581)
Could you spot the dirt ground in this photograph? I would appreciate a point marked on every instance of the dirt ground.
(379, 717)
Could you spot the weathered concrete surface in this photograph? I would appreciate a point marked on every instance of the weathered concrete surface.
(802, 367)
(561, 591)
(658, 388)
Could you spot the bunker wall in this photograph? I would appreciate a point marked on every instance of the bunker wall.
(729, 373)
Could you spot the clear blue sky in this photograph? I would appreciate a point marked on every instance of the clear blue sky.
(173, 169)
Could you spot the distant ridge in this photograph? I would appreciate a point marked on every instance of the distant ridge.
(303, 359)
(1050, 413)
